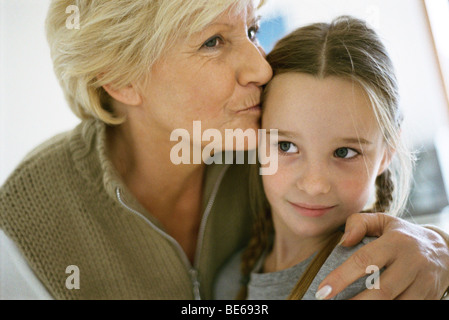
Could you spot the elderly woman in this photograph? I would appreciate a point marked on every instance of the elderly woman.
(101, 212)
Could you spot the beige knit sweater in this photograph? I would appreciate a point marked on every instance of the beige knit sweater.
(65, 205)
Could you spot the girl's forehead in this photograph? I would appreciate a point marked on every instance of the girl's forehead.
(332, 106)
(307, 92)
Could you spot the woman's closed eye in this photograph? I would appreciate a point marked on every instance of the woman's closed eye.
(286, 147)
(346, 153)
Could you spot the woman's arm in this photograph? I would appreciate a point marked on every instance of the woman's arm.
(416, 259)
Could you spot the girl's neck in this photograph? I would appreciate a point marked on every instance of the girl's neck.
(288, 251)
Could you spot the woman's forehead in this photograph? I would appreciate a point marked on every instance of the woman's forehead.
(236, 13)
(232, 18)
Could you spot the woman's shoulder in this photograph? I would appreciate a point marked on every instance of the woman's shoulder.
(39, 165)
(51, 155)
(52, 148)
(47, 170)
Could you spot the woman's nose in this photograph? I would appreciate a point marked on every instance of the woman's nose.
(314, 180)
(253, 67)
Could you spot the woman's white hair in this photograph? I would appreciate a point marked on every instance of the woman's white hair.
(118, 42)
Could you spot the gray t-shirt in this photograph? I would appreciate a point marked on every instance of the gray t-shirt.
(278, 285)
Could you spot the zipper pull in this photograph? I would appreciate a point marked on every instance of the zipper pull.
(196, 283)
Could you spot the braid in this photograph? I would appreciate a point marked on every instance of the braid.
(259, 242)
(384, 192)
(262, 230)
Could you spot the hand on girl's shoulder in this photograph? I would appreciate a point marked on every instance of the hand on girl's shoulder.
(339, 255)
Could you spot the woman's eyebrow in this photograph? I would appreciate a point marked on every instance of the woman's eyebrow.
(252, 21)
(255, 20)
(218, 24)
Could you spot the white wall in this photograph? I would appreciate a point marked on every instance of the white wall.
(32, 107)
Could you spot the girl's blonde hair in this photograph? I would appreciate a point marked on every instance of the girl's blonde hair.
(118, 41)
(349, 49)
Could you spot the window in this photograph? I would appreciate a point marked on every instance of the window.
(438, 14)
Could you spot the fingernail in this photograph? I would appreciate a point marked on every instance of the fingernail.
(323, 293)
(343, 238)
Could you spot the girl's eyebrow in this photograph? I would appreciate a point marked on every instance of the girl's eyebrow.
(291, 135)
(285, 133)
(356, 140)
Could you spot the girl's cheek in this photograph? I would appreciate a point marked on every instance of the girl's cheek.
(272, 183)
(354, 193)
(278, 184)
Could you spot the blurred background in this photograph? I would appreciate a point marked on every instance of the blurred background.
(416, 33)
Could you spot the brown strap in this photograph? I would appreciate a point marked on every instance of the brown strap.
(306, 279)
(445, 295)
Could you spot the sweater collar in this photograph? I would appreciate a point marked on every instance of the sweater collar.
(88, 148)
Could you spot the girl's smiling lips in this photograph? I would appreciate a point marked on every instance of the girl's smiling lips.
(309, 210)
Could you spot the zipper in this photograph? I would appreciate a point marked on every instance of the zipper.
(193, 269)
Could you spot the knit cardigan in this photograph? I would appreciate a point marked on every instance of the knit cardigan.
(65, 205)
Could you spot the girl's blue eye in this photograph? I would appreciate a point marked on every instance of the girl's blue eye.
(287, 147)
(345, 153)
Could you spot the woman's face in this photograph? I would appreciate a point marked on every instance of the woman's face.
(330, 152)
(214, 77)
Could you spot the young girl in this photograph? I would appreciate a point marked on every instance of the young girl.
(334, 102)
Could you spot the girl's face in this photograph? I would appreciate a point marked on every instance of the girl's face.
(215, 76)
(330, 152)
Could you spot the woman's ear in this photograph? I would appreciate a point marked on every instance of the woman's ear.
(128, 95)
(386, 160)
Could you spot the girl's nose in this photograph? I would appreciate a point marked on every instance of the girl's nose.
(314, 180)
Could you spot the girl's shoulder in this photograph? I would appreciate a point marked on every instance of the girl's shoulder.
(339, 255)
(227, 282)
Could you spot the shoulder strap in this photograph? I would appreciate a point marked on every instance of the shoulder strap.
(306, 279)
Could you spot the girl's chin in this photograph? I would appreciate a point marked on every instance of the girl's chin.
(314, 230)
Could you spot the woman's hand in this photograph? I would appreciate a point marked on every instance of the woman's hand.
(416, 259)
